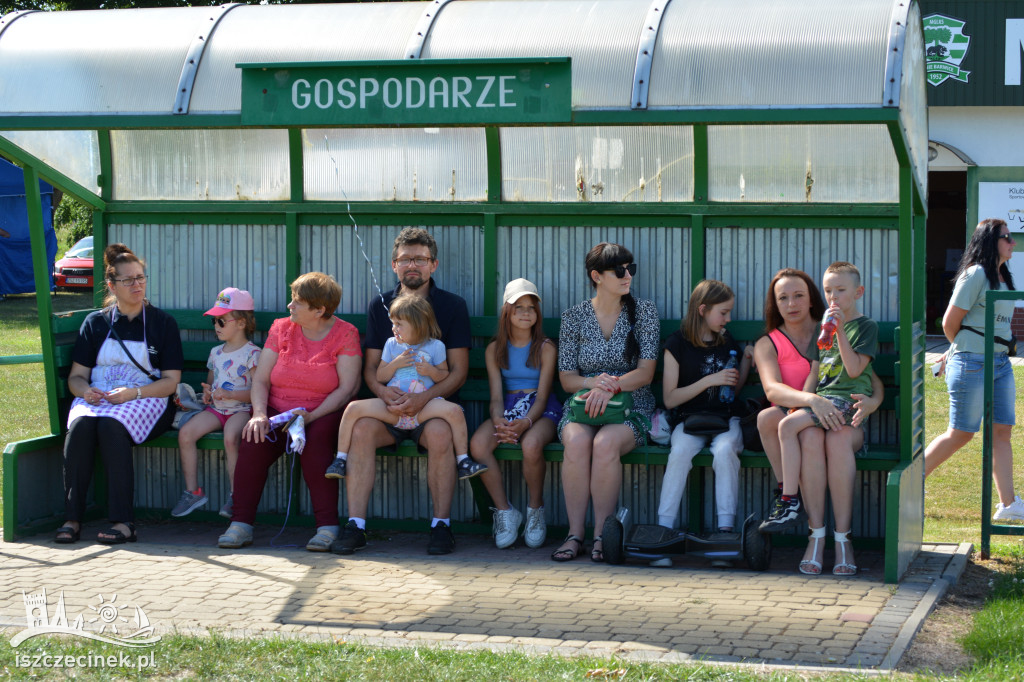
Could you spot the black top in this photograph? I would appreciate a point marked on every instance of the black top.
(449, 309)
(160, 334)
(696, 363)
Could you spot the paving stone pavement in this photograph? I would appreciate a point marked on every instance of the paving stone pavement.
(394, 594)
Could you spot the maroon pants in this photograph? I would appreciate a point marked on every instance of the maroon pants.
(254, 460)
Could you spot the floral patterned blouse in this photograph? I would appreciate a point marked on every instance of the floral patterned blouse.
(583, 348)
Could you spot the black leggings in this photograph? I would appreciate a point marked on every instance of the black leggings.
(115, 445)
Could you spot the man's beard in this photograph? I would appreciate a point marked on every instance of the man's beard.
(413, 281)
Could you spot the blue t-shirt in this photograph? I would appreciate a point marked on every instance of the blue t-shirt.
(407, 379)
(519, 376)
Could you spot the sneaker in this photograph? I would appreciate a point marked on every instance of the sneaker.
(468, 468)
(337, 469)
(785, 514)
(506, 526)
(352, 538)
(441, 539)
(227, 510)
(1011, 512)
(188, 503)
(536, 531)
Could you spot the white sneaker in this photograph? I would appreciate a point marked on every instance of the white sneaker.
(506, 526)
(536, 531)
(1012, 512)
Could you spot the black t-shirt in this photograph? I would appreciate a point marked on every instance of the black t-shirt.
(161, 335)
(696, 363)
(450, 310)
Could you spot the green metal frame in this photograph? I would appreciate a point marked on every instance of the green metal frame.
(494, 213)
(988, 529)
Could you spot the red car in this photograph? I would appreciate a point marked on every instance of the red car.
(74, 270)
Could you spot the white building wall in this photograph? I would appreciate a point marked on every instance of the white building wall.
(990, 136)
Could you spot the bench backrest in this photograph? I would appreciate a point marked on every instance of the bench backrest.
(198, 339)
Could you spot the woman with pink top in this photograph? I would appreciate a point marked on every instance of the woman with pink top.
(311, 364)
(792, 311)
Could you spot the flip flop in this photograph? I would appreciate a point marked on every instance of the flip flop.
(66, 535)
(113, 536)
(597, 555)
(568, 554)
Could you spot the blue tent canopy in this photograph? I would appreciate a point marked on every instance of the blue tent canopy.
(16, 250)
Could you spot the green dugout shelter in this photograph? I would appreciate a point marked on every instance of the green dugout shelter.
(243, 145)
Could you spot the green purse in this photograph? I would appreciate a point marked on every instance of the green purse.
(617, 411)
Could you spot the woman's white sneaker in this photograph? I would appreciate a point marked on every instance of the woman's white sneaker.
(1011, 512)
(506, 526)
(536, 531)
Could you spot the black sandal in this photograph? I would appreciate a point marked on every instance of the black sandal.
(568, 554)
(66, 535)
(597, 555)
(113, 536)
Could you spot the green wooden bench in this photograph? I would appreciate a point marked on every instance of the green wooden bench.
(879, 456)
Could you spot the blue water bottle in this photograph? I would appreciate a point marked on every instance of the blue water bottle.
(727, 394)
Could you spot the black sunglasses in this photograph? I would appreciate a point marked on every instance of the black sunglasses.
(621, 270)
(1008, 237)
(220, 321)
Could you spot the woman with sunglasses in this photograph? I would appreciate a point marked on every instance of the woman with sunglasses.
(127, 360)
(310, 365)
(607, 344)
(982, 267)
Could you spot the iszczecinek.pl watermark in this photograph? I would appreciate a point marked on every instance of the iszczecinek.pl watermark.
(104, 622)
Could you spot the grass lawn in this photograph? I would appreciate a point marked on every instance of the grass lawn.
(952, 514)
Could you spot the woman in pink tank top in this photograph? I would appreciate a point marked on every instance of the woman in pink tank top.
(792, 310)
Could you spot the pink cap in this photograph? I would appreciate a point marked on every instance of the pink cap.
(231, 299)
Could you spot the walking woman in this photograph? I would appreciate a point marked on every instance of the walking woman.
(982, 267)
(607, 344)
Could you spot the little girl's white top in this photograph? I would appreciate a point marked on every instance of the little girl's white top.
(233, 372)
(407, 379)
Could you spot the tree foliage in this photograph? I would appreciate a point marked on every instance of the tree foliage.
(937, 35)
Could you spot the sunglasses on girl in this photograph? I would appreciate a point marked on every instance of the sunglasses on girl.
(621, 270)
(1008, 237)
(220, 321)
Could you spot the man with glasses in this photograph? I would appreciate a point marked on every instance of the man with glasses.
(414, 260)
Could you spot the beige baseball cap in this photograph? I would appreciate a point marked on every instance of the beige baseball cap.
(518, 288)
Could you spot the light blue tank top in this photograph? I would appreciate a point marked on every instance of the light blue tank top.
(518, 376)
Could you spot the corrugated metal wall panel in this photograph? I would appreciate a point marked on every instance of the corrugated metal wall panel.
(552, 258)
(188, 265)
(747, 258)
(335, 249)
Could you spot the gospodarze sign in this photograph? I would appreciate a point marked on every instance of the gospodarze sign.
(428, 92)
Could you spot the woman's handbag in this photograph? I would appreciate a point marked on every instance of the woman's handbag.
(618, 410)
(705, 424)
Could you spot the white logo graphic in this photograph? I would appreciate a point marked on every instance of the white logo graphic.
(107, 618)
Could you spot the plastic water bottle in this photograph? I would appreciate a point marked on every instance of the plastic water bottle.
(727, 394)
(828, 330)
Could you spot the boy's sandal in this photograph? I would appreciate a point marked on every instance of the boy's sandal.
(113, 536)
(843, 567)
(597, 555)
(237, 535)
(321, 542)
(568, 554)
(813, 566)
(66, 535)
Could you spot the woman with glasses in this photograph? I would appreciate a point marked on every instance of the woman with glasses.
(309, 366)
(127, 360)
(982, 267)
(607, 344)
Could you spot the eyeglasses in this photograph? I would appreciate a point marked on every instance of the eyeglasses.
(621, 270)
(418, 262)
(128, 281)
(1008, 237)
(220, 321)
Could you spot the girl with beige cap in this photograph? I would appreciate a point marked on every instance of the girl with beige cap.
(523, 410)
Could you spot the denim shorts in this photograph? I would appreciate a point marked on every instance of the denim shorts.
(965, 375)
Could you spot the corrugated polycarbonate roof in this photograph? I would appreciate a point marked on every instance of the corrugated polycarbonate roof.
(708, 53)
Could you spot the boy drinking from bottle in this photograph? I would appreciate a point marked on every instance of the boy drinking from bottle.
(843, 368)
